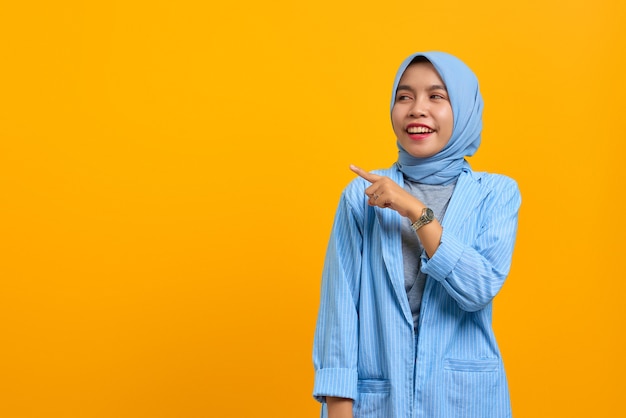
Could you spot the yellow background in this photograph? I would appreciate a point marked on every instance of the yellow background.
(169, 172)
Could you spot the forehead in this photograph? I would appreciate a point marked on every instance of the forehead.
(421, 73)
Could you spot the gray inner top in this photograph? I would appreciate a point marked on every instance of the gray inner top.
(437, 198)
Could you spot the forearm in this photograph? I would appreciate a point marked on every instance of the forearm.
(429, 234)
(339, 407)
(473, 270)
(472, 276)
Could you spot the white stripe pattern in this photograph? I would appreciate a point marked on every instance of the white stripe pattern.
(365, 347)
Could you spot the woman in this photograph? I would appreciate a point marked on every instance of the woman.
(416, 255)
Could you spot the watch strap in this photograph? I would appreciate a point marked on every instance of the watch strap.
(426, 218)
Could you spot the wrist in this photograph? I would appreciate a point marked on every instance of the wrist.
(426, 217)
(415, 213)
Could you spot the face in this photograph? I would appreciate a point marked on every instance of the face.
(422, 116)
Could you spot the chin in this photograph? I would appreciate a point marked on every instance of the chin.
(420, 154)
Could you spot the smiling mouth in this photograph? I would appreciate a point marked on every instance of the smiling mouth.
(419, 130)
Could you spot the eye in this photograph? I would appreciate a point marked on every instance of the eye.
(403, 97)
(437, 96)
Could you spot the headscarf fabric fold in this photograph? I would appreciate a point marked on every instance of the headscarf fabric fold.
(467, 107)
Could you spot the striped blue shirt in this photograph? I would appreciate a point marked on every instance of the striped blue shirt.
(365, 345)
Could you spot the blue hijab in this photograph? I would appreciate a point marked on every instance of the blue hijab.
(467, 108)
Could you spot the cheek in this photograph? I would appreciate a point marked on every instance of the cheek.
(447, 121)
(396, 120)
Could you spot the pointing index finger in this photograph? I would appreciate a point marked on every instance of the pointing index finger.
(371, 177)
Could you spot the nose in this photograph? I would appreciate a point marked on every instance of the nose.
(419, 108)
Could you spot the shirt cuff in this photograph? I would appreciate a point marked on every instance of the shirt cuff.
(341, 383)
(446, 257)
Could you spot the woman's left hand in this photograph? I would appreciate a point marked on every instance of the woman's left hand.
(386, 193)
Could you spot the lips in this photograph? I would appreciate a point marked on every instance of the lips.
(419, 131)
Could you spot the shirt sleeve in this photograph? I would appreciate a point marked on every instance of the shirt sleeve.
(474, 273)
(336, 335)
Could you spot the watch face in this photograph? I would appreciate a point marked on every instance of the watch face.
(430, 215)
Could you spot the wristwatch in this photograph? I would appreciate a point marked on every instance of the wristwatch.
(427, 217)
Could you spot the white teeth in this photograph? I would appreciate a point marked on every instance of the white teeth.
(419, 130)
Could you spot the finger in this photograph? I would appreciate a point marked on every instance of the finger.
(372, 190)
(372, 197)
(374, 194)
(378, 200)
(371, 177)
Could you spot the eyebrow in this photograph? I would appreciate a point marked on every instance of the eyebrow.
(430, 88)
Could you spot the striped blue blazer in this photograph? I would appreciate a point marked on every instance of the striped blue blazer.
(365, 346)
